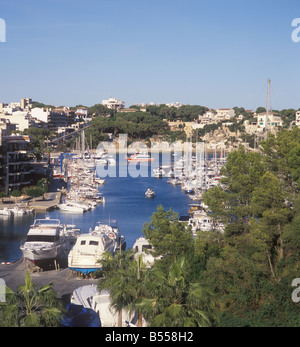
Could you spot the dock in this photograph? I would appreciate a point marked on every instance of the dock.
(46, 203)
(64, 282)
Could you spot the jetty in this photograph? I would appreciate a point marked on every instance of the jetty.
(45, 203)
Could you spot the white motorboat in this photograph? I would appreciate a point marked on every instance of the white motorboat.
(6, 212)
(140, 157)
(159, 172)
(47, 240)
(18, 211)
(99, 180)
(142, 246)
(68, 207)
(75, 203)
(150, 193)
(174, 181)
(86, 254)
(112, 230)
(99, 301)
(201, 221)
(57, 173)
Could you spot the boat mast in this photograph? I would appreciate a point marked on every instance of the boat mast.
(267, 111)
(83, 142)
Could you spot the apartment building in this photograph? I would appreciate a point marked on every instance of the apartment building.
(224, 114)
(113, 104)
(15, 165)
(56, 118)
(297, 119)
(274, 120)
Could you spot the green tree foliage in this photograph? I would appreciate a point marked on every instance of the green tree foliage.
(29, 307)
(186, 113)
(125, 280)
(259, 255)
(38, 190)
(243, 275)
(138, 125)
(280, 154)
(168, 236)
(241, 175)
(171, 300)
(99, 110)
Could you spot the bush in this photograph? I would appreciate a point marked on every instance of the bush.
(34, 191)
(16, 193)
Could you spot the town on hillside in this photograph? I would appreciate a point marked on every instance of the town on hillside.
(30, 131)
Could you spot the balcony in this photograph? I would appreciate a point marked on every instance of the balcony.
(20, 173)
(17, 184)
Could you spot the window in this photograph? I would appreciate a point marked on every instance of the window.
(42, 238)
(93, 243)
(146, 247)
(82, 242)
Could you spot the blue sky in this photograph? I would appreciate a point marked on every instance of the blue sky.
(215, 53)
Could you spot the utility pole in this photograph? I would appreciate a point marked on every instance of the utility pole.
(267, 111)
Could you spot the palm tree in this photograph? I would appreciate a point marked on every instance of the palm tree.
(173, 301)
(31, 307)
(113, 269)
(124, 278)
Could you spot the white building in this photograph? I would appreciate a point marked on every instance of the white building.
(8, 109)
(224, 113)
(20, 119)
(174, 104)
(208, 114)
(81, 113)
(25, 103)
(40, 113)
(274, 120)
(113, 103)
(297, 120)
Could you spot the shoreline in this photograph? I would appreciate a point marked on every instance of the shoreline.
(49, 203)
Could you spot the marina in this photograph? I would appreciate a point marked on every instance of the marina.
(64, 245)
(118, 198)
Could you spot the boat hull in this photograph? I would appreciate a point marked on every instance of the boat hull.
(43, 257)
(141, 159)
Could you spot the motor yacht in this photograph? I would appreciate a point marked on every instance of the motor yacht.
(6, 212)
(140, 157)
(48, 240)
(69, 207)
(100, 302)
(150, 193)
(86, 254)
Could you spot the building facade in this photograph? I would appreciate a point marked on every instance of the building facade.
(114, 104)
(274, 120)
(15, 165)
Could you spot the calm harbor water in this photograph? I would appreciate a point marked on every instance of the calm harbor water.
(124, 201)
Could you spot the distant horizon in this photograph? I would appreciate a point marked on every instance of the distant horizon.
(148, 103)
